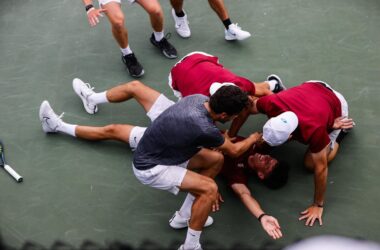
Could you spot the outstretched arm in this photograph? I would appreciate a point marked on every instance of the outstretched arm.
(269, 223)
(315, 211)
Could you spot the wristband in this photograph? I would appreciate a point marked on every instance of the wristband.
(89, 7)
(261, 216)
(317, 205)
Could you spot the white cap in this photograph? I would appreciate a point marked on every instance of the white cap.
(217, 85)
(277, 130)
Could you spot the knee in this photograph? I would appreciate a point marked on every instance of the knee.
(156, 12)
(217, 160)
(211, 189)
(111, 129)
(118, 23)
(133, 85)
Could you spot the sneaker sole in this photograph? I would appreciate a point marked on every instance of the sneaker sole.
(78, 92)
(137, 76)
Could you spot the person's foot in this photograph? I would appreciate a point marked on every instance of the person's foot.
(198, 247)
(134, 67)
(178, 222)
(84, 91)
(234, 32)
(181, 25)
(165, 47)
(279, 85)
(49, 119)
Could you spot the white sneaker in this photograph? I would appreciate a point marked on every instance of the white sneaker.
(181, 25)
(198, 247)
(84, 91)
(279, 85)
(178, 222)
(50, 121)
(234, 32)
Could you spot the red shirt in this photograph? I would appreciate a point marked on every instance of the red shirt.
(196, 73)
(236, 170)
(315, 106)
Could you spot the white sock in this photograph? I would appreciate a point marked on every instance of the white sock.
(185, 210)
(158, 35)
(192, 239)
(67, 128)
(98, 98)
(126, 51)
(272, 84)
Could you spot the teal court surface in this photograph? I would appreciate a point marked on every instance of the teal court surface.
(75, 190)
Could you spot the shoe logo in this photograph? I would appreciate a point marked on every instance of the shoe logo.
(135, 139)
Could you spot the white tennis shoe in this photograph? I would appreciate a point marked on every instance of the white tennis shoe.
(198, 247)
(49, 119)
(234, 32)
(279, 85)
(84, 91)
(178, 222)
(181, 25)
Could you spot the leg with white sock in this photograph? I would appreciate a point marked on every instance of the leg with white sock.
(180, 18)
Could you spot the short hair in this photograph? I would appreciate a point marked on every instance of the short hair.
(279, 176)
(229, 99)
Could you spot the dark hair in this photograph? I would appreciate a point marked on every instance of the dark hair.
(278, 177)
(229, 99)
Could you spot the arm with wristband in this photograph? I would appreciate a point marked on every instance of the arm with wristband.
(269, 223)
(93, 14)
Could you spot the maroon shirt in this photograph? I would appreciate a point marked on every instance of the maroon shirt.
(315, 106)
(236, 170)
(196, 73)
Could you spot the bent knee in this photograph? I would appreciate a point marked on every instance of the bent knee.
(156, 12)
(117, 22)
(111, 129)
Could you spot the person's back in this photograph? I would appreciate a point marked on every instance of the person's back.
(316, 108)
(195, 74)
(177, 134)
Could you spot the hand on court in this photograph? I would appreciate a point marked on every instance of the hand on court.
(93, 16)
(312, 214)
(271, 226)
(216, 205)
(343, 122)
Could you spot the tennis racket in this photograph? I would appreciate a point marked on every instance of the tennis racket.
(8, 168)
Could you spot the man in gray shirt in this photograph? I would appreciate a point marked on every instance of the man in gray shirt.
(178, 141)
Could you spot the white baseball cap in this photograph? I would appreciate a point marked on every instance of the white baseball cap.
(277, 130)
(217, 85)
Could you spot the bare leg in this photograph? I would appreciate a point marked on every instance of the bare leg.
(262, 89)
(143, 94)
(116, 17)
(201, 186)
(153, 8)
(177, 5)
(219, 8)
(119, 132)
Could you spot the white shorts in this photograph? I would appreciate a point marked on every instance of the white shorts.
(163, 177)
(104, 2)
(159, 106)
(344, 106)
(170, 79)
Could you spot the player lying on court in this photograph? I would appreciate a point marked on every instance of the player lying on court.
(175, 144)
(197, 71)
(313, 114)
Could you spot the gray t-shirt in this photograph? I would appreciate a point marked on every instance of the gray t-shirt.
(177, 134)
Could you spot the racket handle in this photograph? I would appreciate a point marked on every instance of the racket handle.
(14, 174)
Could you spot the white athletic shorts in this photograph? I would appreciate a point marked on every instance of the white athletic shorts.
(170, 79)
(161, 177)
(104, 2)
(344, 105)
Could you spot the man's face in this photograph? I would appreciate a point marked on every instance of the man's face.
(262, 164)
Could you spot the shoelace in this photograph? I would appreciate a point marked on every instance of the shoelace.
(89, 86)
(237, 26)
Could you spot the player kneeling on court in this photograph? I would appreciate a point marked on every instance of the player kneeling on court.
(176, 143)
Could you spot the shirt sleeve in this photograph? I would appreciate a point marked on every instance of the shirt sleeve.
(211, 138)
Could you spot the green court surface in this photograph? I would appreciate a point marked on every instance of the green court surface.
(75, 190)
